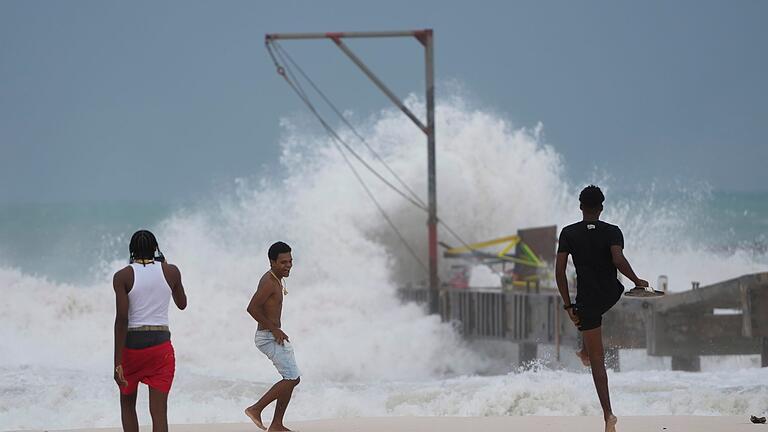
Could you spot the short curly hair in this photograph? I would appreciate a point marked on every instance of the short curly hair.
(591, 197)
(276, 249)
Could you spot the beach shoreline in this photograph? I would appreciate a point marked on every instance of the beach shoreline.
(486, 424)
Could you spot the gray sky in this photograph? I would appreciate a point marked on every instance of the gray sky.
(105, 100)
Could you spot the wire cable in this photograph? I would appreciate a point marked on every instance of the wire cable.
(279, 48)
(287, 74)
(381, 210)
(284, 70)
(281, 70)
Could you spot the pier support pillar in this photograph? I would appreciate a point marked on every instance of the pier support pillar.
(612, 358)
(527, 352)
(764, 354)
(688, 363)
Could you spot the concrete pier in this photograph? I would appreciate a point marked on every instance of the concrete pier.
(724, 318)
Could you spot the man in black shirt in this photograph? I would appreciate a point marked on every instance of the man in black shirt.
(597, 251)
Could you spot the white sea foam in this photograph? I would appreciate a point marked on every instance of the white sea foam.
(360, 350)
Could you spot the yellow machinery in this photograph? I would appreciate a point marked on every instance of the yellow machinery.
(530, 268)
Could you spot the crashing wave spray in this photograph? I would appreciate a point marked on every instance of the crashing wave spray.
(342, 313)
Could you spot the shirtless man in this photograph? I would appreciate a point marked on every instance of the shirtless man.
(266, 308)
(597, 251)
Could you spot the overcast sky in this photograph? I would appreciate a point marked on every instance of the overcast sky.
(104, 100)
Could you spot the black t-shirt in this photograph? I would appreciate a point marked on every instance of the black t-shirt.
(589, 243)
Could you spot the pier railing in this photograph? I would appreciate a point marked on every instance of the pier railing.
(729, 317)
(496, 314)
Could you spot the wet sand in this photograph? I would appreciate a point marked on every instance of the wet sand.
(486, 424)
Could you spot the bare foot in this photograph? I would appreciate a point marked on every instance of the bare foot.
(584, 357)
(610, 423)
(255, 416)
(278, 428)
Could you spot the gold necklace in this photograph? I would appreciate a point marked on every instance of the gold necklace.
(144, 261)
(280, 281)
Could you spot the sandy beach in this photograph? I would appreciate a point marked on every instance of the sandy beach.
(486, 424)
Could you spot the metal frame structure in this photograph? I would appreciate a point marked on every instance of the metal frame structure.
(472, 251)
(425, 37)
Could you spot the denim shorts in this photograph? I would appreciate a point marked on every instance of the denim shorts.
(280, 355)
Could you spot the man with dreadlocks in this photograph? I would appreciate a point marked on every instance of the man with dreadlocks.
(266, 308)
(597, 251)
(143, 350)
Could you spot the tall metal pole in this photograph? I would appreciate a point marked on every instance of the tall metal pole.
(434, 288)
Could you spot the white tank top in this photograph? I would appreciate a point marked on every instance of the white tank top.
(148, 299)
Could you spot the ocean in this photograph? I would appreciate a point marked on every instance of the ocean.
(362, 352)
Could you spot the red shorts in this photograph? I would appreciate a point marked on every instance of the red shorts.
(154, 366)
